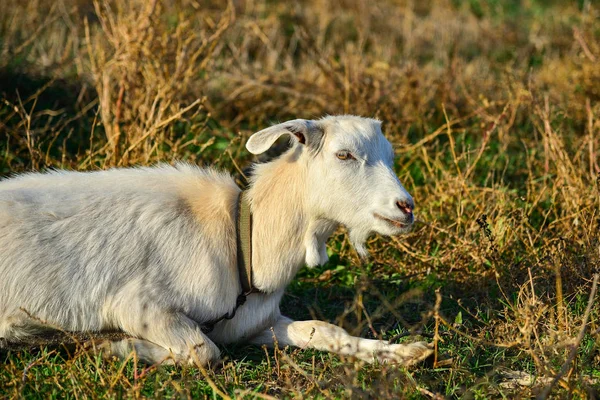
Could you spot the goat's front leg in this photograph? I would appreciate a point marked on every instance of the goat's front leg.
(324, 336)
(164, 336)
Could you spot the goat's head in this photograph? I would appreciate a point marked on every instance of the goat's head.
(350, 175)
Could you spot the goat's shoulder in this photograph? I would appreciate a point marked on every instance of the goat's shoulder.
(211, 195)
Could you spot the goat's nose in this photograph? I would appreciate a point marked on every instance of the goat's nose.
(405, 207)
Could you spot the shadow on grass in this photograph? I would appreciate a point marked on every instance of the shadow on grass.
(45, 120)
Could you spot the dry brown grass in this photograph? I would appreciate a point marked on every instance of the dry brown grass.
(494, 109)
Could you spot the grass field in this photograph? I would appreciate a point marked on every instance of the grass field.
(493, 108)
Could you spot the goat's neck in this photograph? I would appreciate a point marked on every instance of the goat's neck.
(286, 234)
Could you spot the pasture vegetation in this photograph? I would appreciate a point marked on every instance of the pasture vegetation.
(493, 108)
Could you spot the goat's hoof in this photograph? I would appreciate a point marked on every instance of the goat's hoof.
(101, 348)
(206, 354)
(407, 354)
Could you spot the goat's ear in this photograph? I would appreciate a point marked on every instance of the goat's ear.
(306, 132)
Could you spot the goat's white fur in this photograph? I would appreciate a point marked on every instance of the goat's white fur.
(152, 251)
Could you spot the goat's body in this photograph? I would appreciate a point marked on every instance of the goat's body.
(152, 251)
(86, 251)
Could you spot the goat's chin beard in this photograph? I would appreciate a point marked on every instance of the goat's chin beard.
(358, 237)
(403, 230)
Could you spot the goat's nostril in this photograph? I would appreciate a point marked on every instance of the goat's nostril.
(404, 207)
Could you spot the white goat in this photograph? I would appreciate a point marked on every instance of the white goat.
(152, 251)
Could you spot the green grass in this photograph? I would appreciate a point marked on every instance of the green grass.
(472, 371)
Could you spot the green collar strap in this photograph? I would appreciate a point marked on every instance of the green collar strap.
(244, 243)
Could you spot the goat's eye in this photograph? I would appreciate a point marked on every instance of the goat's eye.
(344, 155)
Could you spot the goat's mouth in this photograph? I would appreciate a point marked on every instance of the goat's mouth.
(393, 222)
